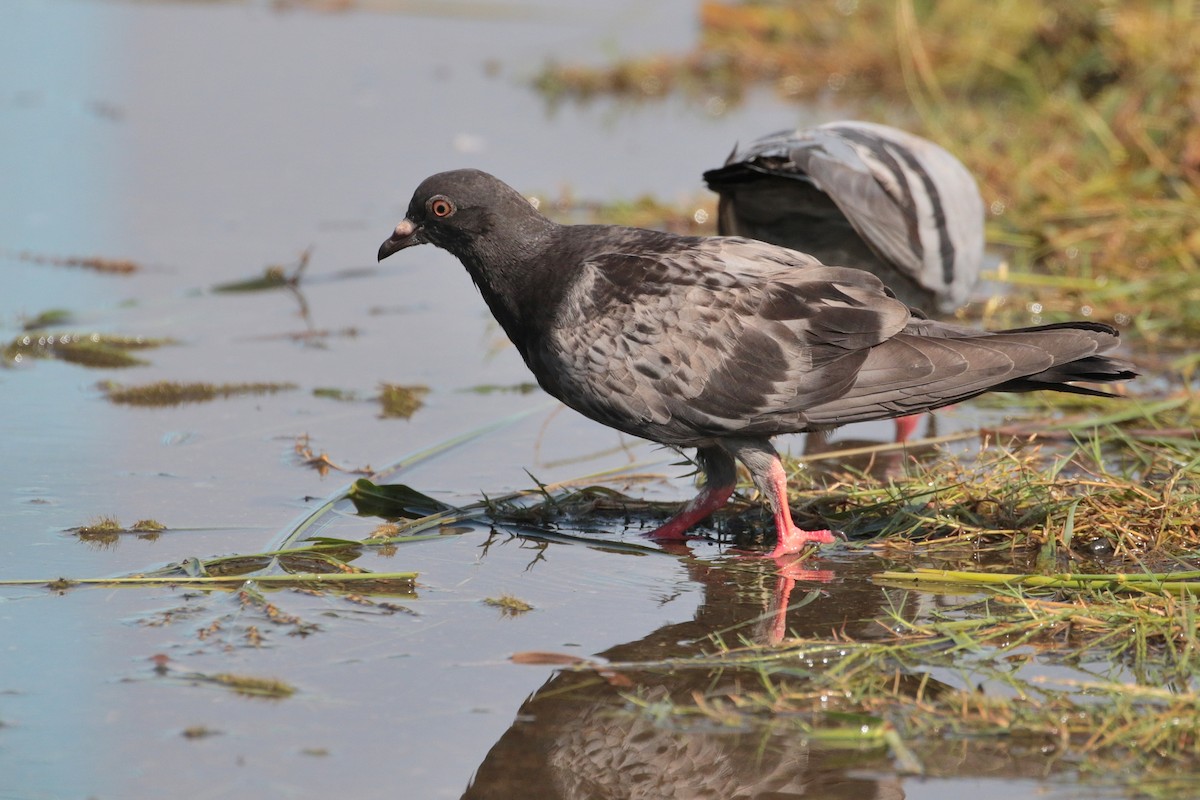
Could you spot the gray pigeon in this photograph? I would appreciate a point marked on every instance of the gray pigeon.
(857, 194)
(720, 343)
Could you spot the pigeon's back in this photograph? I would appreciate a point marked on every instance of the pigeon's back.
(861, 195)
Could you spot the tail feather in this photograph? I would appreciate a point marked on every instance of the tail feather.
(935, 365)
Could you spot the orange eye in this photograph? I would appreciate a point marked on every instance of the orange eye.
(441, 207)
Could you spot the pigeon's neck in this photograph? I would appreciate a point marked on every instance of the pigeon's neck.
(519, 283)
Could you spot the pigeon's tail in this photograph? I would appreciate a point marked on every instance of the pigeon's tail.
(944, 364)
(1089, 369)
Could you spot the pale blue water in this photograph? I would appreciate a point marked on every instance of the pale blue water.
(205, 141)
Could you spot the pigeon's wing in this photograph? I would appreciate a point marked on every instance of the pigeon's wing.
(907, 197)
(932, 365)
(712, 337)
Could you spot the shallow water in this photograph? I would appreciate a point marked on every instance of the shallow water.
(205, 141)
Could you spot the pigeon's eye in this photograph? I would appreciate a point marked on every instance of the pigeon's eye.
(441, 207)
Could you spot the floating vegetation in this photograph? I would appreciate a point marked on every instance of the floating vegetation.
(174, 393)
(1173, 583)
(396, 400)
(246, 684)
(199, 732)
(333, 393)
(275, 276)
(1079, 120)
(527, 387)
(401, 401)
(321, 462)
(51, 318)
(116, 266)
(101, 525)
(384, 530)
(393, 501)
(97, 350)
(509, 605)
(392, 583)
(106, 531)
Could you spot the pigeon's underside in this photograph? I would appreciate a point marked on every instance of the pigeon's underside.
(720, 343)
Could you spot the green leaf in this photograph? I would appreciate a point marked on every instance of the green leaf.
(392, 501)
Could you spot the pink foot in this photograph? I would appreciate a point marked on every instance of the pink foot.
(790, 539)
(675, 529)
(793, 539)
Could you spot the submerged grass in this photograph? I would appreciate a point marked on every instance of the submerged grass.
(97, 350)
(174, 393)
(116, 266)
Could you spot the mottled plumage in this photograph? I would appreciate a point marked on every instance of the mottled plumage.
(720, 343)
(861, 195)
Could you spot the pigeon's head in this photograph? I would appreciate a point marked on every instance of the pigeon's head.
(464, 211)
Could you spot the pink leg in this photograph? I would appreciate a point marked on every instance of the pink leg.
(906, 426)
(703, 504)
(790, 538)
(720, 477)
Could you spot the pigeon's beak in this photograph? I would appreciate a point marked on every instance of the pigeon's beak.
(406, 234)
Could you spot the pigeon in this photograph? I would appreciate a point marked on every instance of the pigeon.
(720, 343)
(858, 194)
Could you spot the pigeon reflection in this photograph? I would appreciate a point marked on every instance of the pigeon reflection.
(578, 736)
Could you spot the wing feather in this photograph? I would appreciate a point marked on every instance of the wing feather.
(723, 336)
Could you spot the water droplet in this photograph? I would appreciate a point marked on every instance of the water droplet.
(701, 216)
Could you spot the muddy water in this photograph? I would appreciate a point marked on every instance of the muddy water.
(206, 141)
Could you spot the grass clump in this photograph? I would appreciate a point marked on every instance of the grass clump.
(106, 531)
(401, 402)
(509, 605)
(1028, 502)
(252, 686)
(100, 526)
